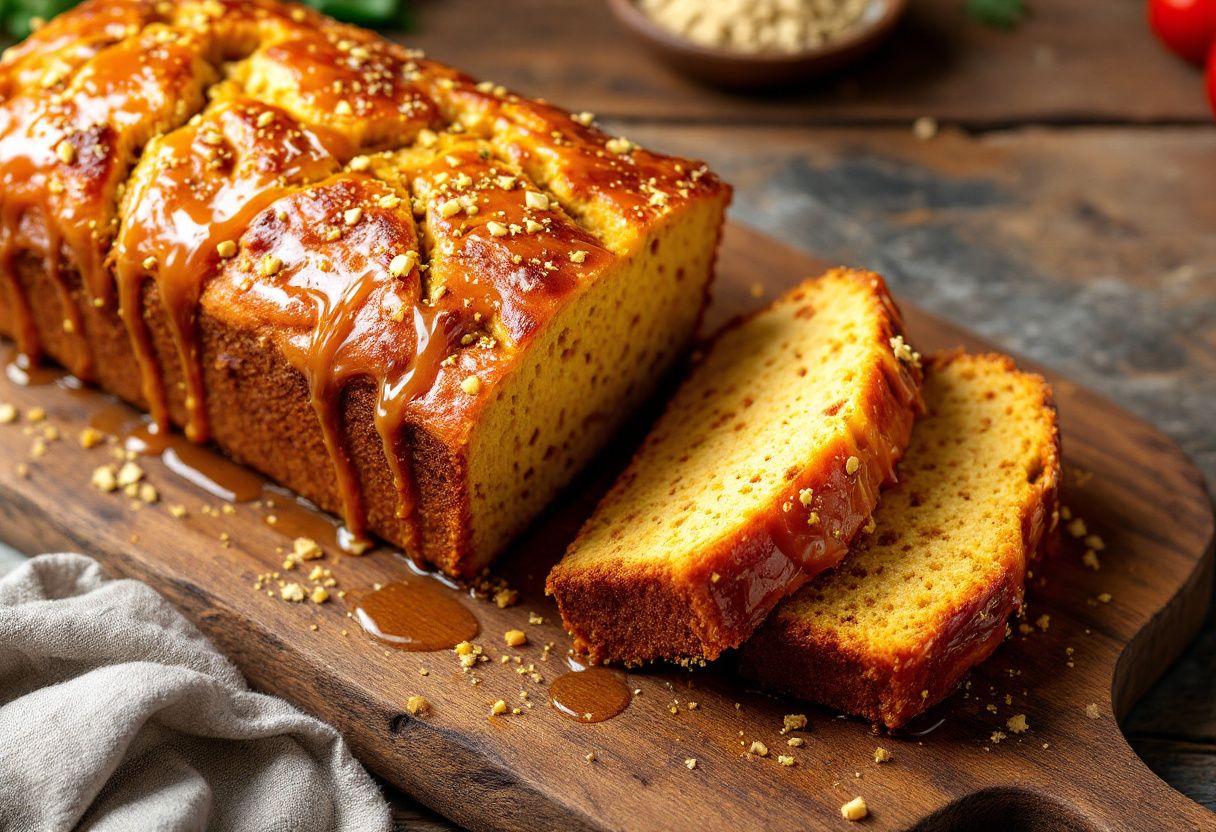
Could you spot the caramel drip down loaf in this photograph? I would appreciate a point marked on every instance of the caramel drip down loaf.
(926, 596)
(413, 298)
(763, 468)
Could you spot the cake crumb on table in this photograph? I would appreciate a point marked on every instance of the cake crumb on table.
(855, 809)
(925, 128)
(292, 592)
(515, 638)
(305, 548)
(418, 705)
(690, 763)
(792, 722)
(1091, 710)
(1017, 723)
(758, 748)
(104, 480)
(882, 755)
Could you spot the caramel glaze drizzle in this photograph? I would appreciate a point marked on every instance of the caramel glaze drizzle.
(195, 194)
(64, 153)
(247, 207)
(792, 547)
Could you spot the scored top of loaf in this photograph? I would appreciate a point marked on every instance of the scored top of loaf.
(371, 212)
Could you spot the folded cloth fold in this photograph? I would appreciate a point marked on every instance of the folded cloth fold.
(117, 714)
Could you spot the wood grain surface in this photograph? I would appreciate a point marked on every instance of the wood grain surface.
(1108, 635)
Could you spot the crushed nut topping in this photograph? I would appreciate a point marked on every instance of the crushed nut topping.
(619, 145)
(904, 352)
(403, 264)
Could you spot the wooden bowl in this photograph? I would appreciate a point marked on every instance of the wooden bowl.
(751, 71)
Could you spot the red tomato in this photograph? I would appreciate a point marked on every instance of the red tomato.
(1211, 78)
(1187, 27)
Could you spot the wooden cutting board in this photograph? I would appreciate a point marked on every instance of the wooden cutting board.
(1107, 635)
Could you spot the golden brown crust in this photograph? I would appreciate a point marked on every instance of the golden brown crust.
(619, 613)
(790, 655)
(403, 288)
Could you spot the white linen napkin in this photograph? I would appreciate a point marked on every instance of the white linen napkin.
(116, 714)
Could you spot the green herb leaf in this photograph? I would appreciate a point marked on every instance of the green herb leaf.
(1002, 14)
(18, 15)
(364, 12)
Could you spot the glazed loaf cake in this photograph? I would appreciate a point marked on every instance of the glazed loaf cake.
(765, 465)
(417, 300)
(925, 596)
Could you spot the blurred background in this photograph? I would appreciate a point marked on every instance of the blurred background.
(1041, 171)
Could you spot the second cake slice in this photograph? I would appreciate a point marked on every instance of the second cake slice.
(765, 465)
(927, 595)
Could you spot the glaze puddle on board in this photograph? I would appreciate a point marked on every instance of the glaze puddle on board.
(591, 695)
(415, 615)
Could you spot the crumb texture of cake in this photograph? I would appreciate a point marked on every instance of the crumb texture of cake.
(764, 466)
(417, 299)
(926, 596)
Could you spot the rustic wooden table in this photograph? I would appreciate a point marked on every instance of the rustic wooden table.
(1064, 210)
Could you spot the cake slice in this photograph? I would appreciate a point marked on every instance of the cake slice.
(764, 466)
(925, 597)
